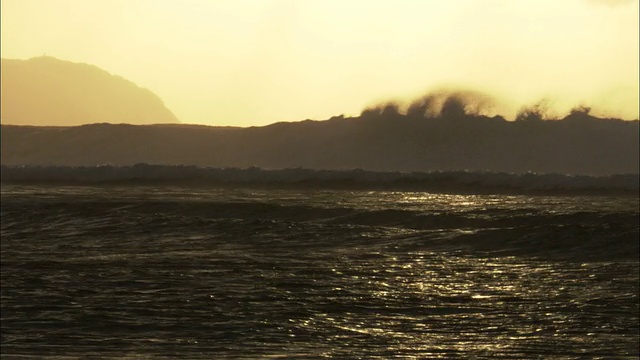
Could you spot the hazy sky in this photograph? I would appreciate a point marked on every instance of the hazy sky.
(253, 62)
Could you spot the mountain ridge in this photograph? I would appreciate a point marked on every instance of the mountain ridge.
(578, 144)
(68, 93)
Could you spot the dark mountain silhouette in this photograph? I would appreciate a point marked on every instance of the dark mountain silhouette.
(48, 91)
(381, 139)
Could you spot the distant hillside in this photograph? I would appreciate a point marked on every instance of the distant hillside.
(378, 141)
(48, 91)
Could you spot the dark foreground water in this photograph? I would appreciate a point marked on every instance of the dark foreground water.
(203, 273)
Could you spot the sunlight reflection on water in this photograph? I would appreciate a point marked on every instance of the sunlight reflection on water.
(267, 274)
(468, 305)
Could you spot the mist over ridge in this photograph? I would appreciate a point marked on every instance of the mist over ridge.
(46, 91)
(447, 101)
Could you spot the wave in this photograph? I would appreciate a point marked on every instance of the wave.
(568, 234)
(443, 182)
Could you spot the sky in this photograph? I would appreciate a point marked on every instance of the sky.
(255, 62)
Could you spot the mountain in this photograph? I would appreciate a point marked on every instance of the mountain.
(48, 91)
(377, 141)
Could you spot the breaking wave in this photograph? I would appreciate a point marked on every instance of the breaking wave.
(453, 181)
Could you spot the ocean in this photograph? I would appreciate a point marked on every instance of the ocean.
(106, 271)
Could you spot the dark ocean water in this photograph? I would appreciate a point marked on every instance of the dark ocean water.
(167, 272)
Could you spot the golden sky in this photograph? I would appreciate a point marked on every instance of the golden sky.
(254, 62)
